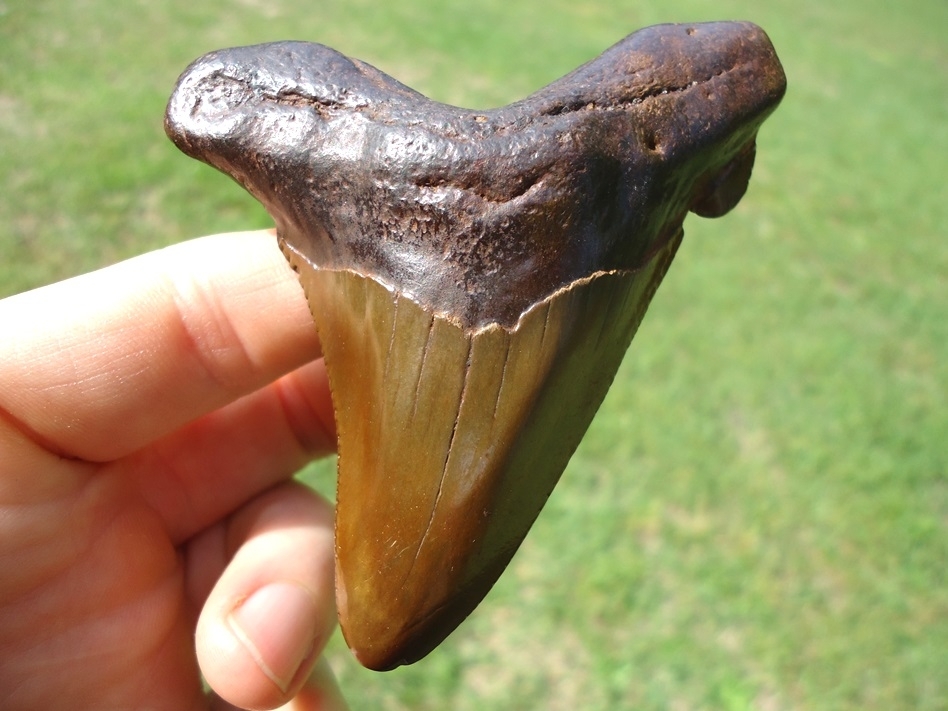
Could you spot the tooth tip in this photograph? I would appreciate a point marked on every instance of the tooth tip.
(386, 629)
(378, 658)
(378, 650)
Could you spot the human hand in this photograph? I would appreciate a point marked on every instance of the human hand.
(152, 415)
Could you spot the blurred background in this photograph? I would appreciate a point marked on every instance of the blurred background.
(758, 517)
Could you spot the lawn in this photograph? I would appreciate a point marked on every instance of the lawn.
(758, 517)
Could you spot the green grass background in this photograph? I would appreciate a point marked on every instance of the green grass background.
(758, 517)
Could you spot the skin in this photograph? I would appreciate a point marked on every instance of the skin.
(152, 415)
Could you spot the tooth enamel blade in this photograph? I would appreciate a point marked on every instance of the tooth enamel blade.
(451, 440)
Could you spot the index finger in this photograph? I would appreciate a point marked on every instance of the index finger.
(97, 366)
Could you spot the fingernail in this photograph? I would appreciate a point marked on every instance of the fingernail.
(277, 626)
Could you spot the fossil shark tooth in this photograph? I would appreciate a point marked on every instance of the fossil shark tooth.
(475, 277)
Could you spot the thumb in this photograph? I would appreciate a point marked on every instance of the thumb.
(320, 692)
(268, 617)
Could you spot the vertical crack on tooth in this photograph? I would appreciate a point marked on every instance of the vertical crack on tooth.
(421, 371)
(447, 456)
(503, 378)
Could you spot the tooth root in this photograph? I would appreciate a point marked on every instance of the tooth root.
(451, 440)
